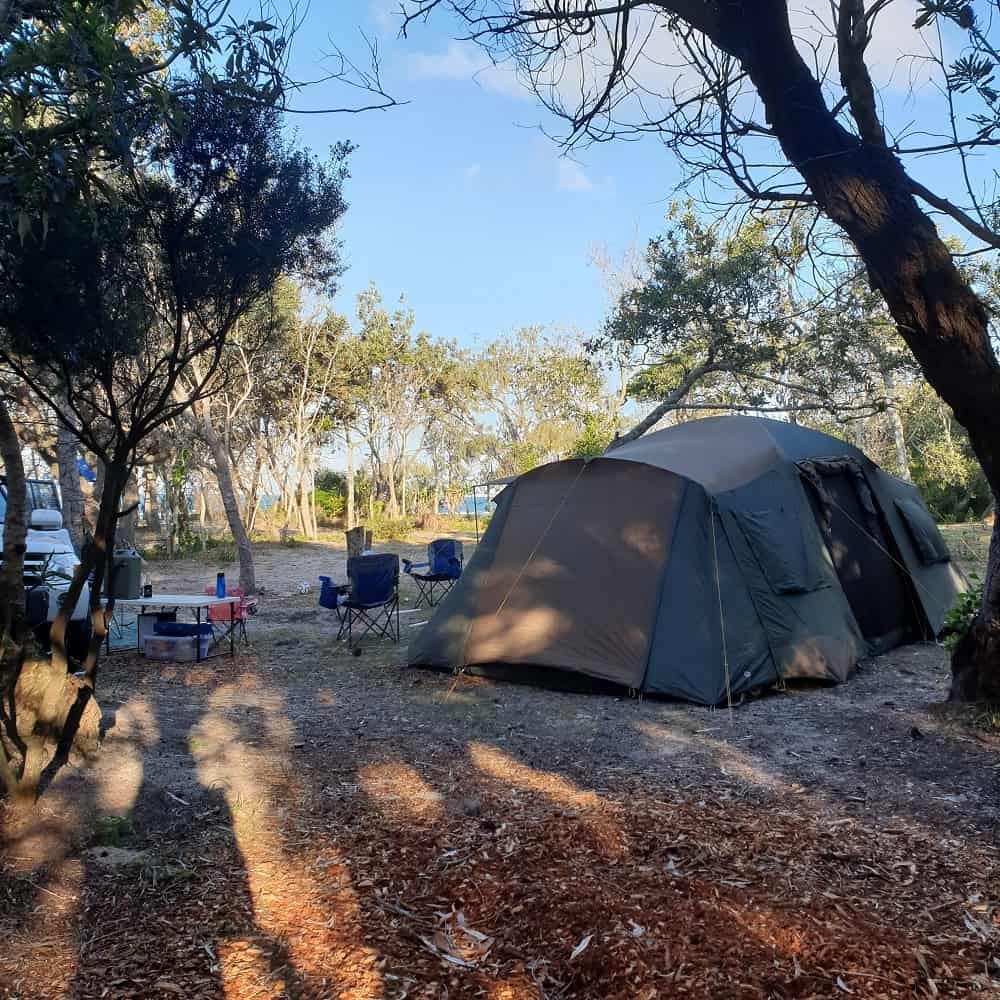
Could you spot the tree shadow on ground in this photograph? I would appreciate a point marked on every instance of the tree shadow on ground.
(336, 828)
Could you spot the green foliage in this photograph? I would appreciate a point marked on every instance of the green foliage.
(209, 549)
(598, 432)
(959, 618)
(720, 322)
(331, 481)
(80, 82)
(392, 529)
(330, 506)
(942, 462)
(541, 389)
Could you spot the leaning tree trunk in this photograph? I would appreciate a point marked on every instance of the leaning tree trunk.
(15, 531)
(224, 477)
(863, 188)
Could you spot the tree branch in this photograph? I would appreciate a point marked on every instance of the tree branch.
(962, 217)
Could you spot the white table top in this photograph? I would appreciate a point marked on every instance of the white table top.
(176, 601)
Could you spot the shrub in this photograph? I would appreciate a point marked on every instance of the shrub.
(960, 616)
(329, 505)
(391, 529)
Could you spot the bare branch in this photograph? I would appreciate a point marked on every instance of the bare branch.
(962, 217)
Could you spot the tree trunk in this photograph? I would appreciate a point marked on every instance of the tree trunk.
(253, 494)
(974, 660)
(201, 506)
(349, 512)
(15, 531)
(670, 402)
(863, 188)
(304, 510)
(392, 507)
(95, 563)
(436, 500)
(92, 499)
(152, 503)
(130, 507)
(859, 434)
(224, 477)
(896, 426)
(69, 486)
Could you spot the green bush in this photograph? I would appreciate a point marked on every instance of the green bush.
(392, 529)
(960, 616)
(329, 505)
(219, 549)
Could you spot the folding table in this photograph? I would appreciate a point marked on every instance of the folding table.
(193, 602)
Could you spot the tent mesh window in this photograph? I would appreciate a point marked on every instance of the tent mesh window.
(923, 532)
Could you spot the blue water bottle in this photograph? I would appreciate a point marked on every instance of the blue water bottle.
(220, 585)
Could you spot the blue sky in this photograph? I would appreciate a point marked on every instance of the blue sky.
(461, 204)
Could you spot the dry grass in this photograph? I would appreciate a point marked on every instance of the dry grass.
(969, 544)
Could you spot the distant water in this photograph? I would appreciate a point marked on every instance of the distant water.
(469, 506)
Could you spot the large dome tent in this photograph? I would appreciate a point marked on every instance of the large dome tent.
(698, 562)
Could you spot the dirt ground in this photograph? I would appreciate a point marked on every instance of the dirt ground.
(303, 822)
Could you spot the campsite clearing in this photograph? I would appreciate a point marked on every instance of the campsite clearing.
(307, 823)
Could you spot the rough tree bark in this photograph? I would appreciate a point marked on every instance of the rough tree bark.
(15, 530)
(224, 477)
(130, 515)
(92, 499)
(69, 486)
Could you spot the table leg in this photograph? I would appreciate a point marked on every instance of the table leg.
(232, 629)
(197, 636)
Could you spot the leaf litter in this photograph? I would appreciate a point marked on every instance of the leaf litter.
(356, 868)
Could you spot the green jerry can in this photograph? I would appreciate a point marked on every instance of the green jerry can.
(126, 574)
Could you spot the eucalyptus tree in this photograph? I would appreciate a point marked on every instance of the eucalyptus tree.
(535, 389)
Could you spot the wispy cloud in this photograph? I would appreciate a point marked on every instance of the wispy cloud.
(464, 61)
(386, 15)
(571, 176)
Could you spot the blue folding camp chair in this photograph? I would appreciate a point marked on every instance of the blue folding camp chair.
(373, 602)
(444, 567)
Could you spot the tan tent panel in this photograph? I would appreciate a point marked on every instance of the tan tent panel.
(544, 601)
